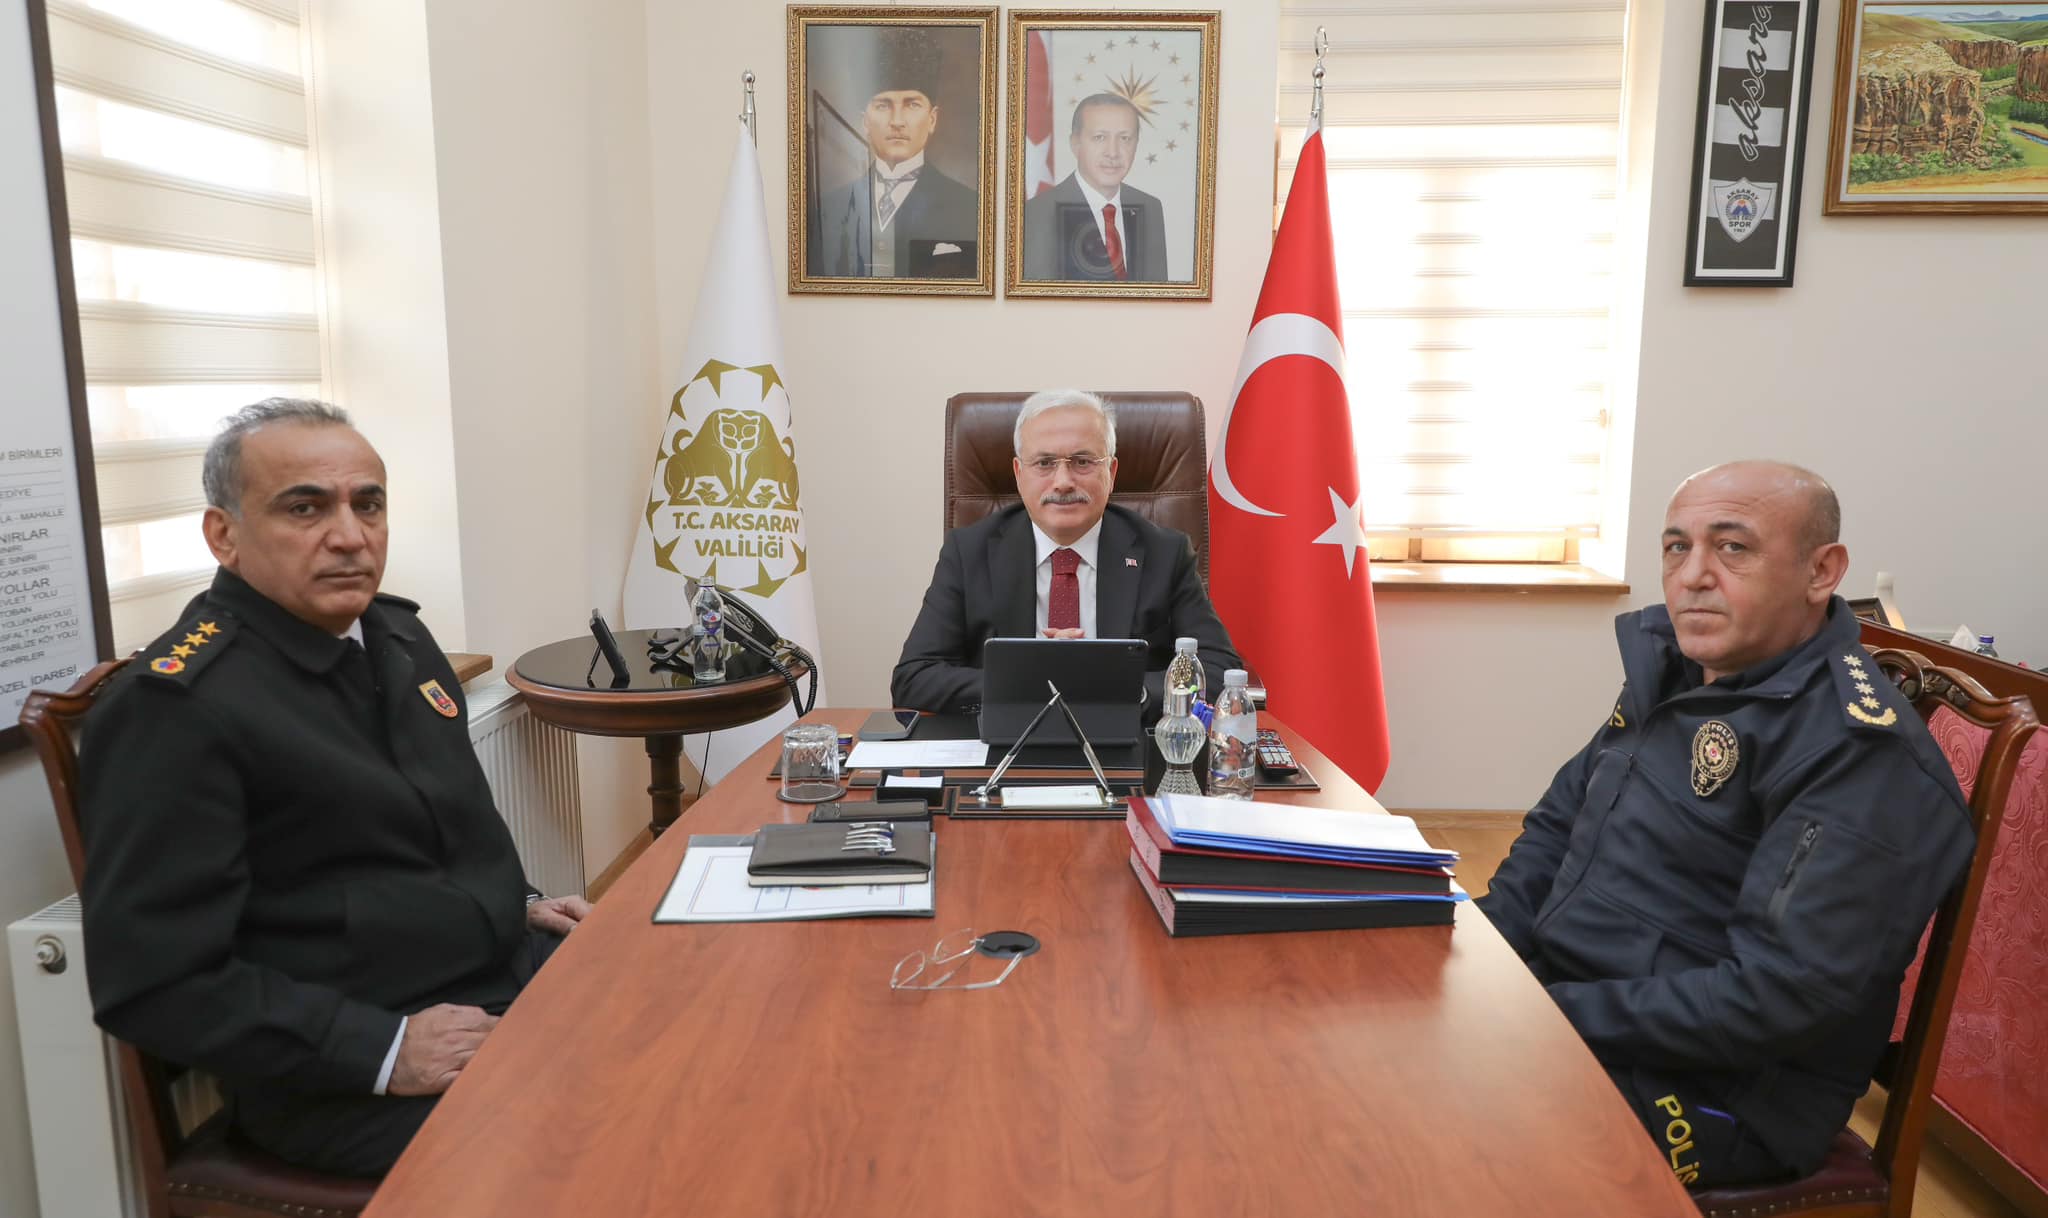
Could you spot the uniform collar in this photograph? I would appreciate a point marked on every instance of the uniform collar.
(1652, 662)
(303, 643)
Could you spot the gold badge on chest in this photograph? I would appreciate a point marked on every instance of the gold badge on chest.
(1714, 754)
(438, 699)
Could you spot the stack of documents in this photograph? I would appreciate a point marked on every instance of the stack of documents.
(1225, 866)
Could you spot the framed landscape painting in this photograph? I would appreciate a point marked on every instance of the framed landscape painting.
(1940, 107)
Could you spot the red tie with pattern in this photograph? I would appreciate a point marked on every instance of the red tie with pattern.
(1063, 607)
(1115, 243)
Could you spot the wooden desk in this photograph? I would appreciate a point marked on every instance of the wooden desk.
(769, 1069)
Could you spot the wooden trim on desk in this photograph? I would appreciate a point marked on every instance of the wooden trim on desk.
(469, 665)
(1459, 818)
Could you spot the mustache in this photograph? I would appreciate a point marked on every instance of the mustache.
(1052, 498)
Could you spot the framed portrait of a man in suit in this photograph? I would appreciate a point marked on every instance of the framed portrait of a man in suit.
(1112, 153)
(891, 155)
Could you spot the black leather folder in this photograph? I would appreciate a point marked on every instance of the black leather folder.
(817, 855)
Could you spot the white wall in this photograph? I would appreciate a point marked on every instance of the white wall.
(540, 131)
(868, 377)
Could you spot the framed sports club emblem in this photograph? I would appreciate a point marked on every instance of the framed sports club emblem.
(1756, 76)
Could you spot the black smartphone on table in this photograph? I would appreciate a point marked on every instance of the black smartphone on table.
(609, 646)
(889, 725)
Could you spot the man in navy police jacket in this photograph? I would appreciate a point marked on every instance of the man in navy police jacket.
(1724, 888)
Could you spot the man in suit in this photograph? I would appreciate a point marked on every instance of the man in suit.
(1065, 563)
(296, 878)
(1093, 225)
(902, 219)
(1724, 888)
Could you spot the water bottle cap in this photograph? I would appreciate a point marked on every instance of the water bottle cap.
(1985, 639)
(1186, 643)
(1235, 676)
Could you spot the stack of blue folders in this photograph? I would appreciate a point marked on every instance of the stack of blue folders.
(1230, 836)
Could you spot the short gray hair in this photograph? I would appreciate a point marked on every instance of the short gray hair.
(1052, 399)
(221, 474)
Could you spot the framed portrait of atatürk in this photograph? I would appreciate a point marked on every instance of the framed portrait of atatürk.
(1749, 142)
(1111, 119)
(1940, 106)
(892, 150)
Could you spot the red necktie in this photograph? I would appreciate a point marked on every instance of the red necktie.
(1063, 607)
(1115, 243)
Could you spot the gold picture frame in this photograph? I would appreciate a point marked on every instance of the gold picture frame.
(1968, 132)
(1138, 92)
(897, 78)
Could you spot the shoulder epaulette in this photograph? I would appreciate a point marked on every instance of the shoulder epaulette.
(412, 607)
(1869, 699)
(180, 655)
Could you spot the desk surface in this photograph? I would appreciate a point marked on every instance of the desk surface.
(769, 1069)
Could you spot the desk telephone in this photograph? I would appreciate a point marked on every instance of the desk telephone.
(670, 647)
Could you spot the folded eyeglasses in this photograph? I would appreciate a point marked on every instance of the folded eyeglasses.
(954, 953)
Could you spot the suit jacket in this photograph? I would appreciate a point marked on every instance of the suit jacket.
(984, 587)
(289, 846)
(1062, 241)
(937, 211)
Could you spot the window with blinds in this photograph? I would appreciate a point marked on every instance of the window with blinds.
(1472, 149)
(186, 169)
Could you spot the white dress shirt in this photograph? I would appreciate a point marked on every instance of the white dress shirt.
(1084, 575)
(1095, 204)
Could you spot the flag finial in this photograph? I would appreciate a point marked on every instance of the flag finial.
(747, 104)
(1315, 105)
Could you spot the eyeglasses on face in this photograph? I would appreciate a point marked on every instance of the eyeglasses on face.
(1082, 464)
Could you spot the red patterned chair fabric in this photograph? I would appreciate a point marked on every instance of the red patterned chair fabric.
(1994, 1064)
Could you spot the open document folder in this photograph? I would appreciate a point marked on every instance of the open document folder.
(711, 886)
(1363, 836)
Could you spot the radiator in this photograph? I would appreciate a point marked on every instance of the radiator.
(77, 1124)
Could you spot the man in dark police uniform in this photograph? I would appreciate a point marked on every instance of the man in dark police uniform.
(1724, 888)
(296, 878)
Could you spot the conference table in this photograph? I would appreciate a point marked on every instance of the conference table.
(769, 1069)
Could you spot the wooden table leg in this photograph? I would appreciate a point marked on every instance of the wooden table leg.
(664, 758)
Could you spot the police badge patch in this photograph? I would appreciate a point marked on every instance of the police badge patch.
(1714, 754)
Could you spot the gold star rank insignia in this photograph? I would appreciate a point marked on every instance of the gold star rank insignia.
(195, 640)
(168, 665)
(182, 652)
(208, 629)
(1714, 755)
(1852, 661)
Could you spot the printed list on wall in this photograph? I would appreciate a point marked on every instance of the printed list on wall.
(46, 629)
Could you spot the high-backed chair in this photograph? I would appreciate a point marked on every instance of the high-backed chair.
(1162, 460)
(206, 1173)
(1858, 1181)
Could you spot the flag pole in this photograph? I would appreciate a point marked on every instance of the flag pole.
(1315, 105)
(747, 105)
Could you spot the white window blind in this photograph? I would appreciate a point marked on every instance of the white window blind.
(1472, 148)
(185, 136)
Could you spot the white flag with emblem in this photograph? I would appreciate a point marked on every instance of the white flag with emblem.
(722, 498)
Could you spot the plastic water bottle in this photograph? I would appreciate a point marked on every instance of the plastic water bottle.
(1185, 672)
(1233, 740)
(707, 609)
(1984, 647)
(1179, 737)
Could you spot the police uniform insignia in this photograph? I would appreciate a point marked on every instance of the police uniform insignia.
(438, 699)
(1889, 717)
(1714, 754)
(1615, 719)
(168, 665)
(1864, 706)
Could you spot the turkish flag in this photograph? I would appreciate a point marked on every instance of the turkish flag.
(1287, 557)
(1037, 116)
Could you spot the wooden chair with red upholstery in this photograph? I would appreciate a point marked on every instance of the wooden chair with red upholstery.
(206, 1172)
(1859, 1181)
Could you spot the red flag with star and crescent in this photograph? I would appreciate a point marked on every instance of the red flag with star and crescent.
(1287, 557)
